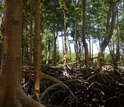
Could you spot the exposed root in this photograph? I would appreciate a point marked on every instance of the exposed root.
(78, 91)
(48, 89)
(29, 102)
(46, 76)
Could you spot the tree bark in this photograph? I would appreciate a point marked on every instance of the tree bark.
(75, 43)
(48, 53)
(65, 45)
(84, 39)
(1, 36)
(31, 19)
(54, 56)
(12, 94)
(92, 48)
(89, 47)
(69, 47)
(37, 56)
(117, 43)
(109, 33)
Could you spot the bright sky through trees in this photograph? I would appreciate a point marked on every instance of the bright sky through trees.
(95, 45)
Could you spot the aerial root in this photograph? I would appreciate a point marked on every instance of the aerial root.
(28, 101)
(46, 76)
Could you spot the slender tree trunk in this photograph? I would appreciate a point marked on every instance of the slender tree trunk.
(65, 45)
(109, 33)
(84, 40)
(0, 24)
(69, 47)
(117, 43)
(75, 43)
(37, 57)
(54, 56)
(116, 57)
(92, 48)
(1, 38)
(48, 54)
(113, 47)
(98, 35)
(31, 19)
(79, 50)
(12, 94)
(58, 47)
(27, 51)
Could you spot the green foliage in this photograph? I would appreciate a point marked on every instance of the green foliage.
(73, 57)
(52, 20)
(2, 6)
(60, 57)
(107, 58)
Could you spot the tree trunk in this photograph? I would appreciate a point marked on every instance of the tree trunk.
(58, 48)
(65, 45)
(79, 50)
(27, 46)
(37, 57)
(48, 53)
(75, 43)
(12, 94)
(69, 47)
(89, 47)
(117, 43)
(92, 48)
(109, 33)
(54, 56)
(31, 19)
(0, 38)
(84, 40)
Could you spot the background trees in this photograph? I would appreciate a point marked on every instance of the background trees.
(52, 17)
(33, 39)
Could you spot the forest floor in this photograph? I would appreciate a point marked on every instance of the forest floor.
(78, 90)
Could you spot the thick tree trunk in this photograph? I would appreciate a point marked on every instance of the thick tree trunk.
(84, 40)
(11, 57)
(11, 92)
(37, 57)
(65, 45)
(109, 33)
